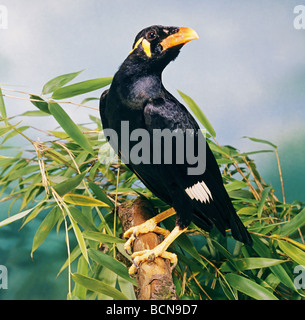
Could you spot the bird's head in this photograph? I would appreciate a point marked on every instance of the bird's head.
(158, 45)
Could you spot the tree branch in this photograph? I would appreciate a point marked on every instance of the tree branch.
(154, 278)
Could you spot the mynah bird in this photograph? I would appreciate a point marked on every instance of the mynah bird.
(138, 98)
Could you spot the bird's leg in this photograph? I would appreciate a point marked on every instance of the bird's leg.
(158, 251)
(148, 226)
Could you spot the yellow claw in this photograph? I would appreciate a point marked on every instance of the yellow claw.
(146, 227)
(159, 251)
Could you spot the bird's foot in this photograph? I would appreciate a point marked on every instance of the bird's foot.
(149, 255)
(146, 227)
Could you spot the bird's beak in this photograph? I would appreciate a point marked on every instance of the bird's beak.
(183, 36)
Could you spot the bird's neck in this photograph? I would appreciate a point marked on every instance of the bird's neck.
(136, 67)
(136, 82)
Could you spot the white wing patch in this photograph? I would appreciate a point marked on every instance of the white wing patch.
(200, 192)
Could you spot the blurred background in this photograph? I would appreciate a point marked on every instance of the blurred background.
(246, 72)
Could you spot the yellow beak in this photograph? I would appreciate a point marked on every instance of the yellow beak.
(183, 36)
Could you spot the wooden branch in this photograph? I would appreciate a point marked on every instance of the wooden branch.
(154, 278)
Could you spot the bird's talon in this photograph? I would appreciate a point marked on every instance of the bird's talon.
(135, 264)
(128, 251)
(135, 234)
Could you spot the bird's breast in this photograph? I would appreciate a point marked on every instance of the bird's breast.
(136, 93)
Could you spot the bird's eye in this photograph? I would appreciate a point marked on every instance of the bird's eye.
(151, 35)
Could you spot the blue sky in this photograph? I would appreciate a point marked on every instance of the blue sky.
(246, 71)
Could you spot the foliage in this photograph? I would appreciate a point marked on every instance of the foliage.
(62, 178)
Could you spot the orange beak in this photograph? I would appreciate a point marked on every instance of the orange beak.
(183, 36)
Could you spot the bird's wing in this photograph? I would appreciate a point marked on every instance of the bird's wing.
(205, 191)
(103, 101)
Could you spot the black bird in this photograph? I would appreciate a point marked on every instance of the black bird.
(138, 98)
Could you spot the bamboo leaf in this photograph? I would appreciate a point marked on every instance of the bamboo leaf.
(69, 126)
(127, 288)
(69, 184)
(16, 217)
(295, 223)
(80, 88)
(198, 113)
(45, 227)
(264, 196)
(76, 252)
(80, 291)
(249, 287)
(293, 252)
(262, 141)
(250, 263)
(235, 185)
(277, 270)
(107, 261)
(59, 81)
(34, 113)
(79, 237)
(42, 105)
(78, 199)
(98, 286)
(2, 106)
(83, 220)
(99, 193)
(101, 237)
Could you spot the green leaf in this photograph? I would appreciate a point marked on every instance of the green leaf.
(73, 255)
(235, 185)
(4, 130)
(250, 263)
(59, 81)
(247, 210)
(45, 227)
(69, 126)
(83, 220)
(42, 105)
(293, 252)
(249, 287)
(16, 217)
(198, 113)
(79, 237)
(69, 184)
(14, 133)
(107, 261)
(277, 270)
(127, 288)
(98, 286)
(2, 106)
(99, 193)
(80, 88)
(34, 113)
(78, 199)
(295, 223)
(262, 141)
(101, 237)
(80, 291)
(264, 196)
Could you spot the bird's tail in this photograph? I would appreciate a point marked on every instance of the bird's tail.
(239, 231)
